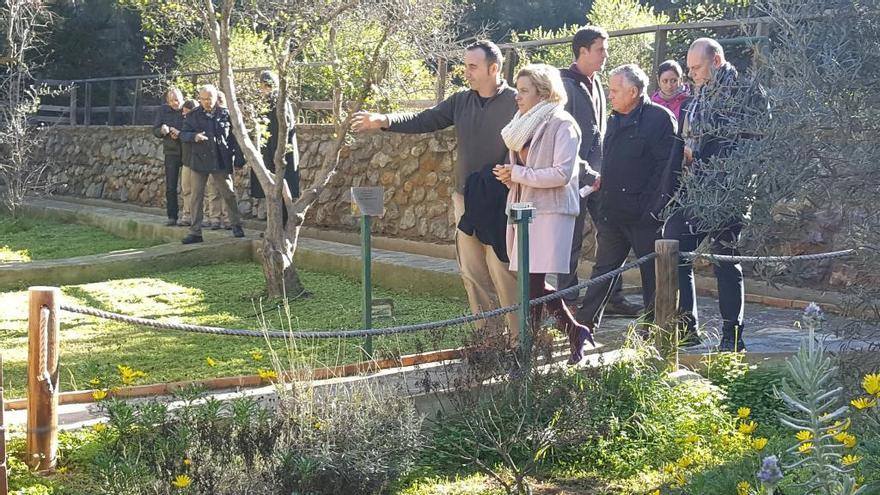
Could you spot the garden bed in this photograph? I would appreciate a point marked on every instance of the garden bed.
(225, 295)
(27, 239)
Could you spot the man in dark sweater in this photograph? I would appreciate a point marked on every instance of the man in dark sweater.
(586, 103)
(478, 115)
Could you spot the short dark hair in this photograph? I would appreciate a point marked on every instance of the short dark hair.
(669, 65)
(585, 37)
(269, 78)
(491, 50)
(190, 104)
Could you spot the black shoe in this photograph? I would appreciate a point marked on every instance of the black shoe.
(237, 231)
(623, 307)
(216, 226)
(730, 344)
(171, 222)
(192, 239)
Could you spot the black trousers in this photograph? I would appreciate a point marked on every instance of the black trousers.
(570, 279)
(729, 276)
(173, 163)
(613, 243)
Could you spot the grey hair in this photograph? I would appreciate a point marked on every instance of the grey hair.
(634, 76)
(710, 47)
(173, 90)
(209, 88)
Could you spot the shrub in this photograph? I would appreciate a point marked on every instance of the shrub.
(345, 440)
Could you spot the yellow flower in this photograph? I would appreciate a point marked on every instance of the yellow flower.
(257, 355)
(849, 460)
(100, 427)
(742, 488)
(692, 438)
(267, 374)
(95, 382)
(669, 468)
(211, 361)
(99, 394)
(759, 443)
(655, 492)
(871, 384)
(863, 403)
(680, 480)
(61, 470)
(839, 426)
(685, 462)
(187, 462)
(804, 435)
(182, 481)
(805, 447)
(743, 412)
(747, 427)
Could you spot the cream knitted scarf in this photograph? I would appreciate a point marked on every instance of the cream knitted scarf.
(521, 129)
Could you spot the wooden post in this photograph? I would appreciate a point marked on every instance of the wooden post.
(87, 105)
(4, 479)
(666, 300)
(762, 45)
(111, 113)
(73, 104)
(660, 52)
(440, 90)
(134, 103)
(42, 386)
(510, 61)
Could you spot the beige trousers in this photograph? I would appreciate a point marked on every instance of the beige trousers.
(215, 210)
(186, 193)
(487, 279)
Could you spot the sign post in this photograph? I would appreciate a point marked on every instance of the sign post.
(521, 215)
(367, 202)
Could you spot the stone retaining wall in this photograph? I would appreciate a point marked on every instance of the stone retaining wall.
(125, 164)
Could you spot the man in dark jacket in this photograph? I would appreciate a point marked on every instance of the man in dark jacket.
(478, 115)
(168, 124)
(637, 144)
(269, 142)
(586, 103)
(212, 154)
(713, 127)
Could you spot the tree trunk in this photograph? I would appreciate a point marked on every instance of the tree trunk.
(276, 253)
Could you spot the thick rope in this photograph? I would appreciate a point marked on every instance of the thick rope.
(768, 259)
(44, 344)
(419, 327)
(364, 332)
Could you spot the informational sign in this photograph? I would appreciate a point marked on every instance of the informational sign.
(368, 201)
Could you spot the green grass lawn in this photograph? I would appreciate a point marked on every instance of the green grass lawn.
(29, 239)
(226, 295)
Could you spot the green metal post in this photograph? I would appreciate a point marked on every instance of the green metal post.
(522, 216)
(366, 255)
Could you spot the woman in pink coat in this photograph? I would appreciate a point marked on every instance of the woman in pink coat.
(543, 140)
(671, 92)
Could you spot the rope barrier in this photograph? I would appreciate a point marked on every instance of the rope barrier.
(768, 259)
(419, 327)
(364, 332)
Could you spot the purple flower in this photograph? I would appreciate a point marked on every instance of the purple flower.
(813, 311)
(770, 474)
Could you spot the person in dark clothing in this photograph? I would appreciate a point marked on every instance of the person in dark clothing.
(168, 124)
(269, 142)
(586, 103)
(637, 145)
(213, 153)
(712, 129)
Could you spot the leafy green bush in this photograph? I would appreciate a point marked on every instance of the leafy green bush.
(346, 440)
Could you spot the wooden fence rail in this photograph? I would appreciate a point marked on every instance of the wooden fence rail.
(82, 108)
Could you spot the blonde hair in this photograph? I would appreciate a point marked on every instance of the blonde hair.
(547, 81)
